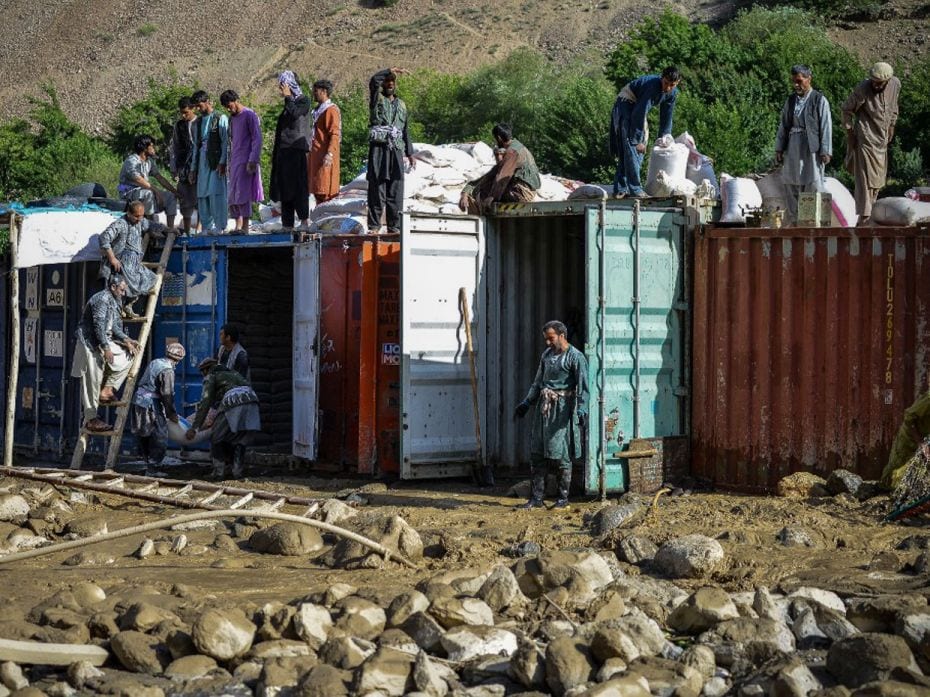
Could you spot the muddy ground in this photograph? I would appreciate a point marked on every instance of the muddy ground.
(464, 527)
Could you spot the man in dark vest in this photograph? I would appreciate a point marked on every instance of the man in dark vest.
(181, 150)
(212, 133)
(514, 178)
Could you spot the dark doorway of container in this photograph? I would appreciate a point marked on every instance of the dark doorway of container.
(260, 303)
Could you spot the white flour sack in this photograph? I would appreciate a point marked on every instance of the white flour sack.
(739, 195)
(669, 157)
(898, 210)
(843, 203)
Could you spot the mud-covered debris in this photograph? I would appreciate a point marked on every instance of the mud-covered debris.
(287, 539)
(869, 657)
(527, 548)
(691, 556)
(843, 482)
(13, 507)
(802, 485)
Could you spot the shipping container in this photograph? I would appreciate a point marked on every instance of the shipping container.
(809, 344)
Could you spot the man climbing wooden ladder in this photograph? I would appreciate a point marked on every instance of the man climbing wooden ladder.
(125, 403)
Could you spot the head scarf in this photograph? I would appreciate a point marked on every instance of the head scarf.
(288, 78)
(175, 351)
(881, 71)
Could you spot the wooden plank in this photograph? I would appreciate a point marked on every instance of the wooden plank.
(12, 381)
(211, 498)
(241, 502)
(39, 653)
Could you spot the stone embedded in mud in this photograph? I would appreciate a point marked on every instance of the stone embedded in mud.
(223, 634)
(746, 640)
(568, 664)
(324, 681)
(140, 653)
(82, 672)
(345, 652)
(145, 616)
(287, 539)
(391, 531)
(881, 613)
(424, 630)
(868, 657)
(527, 548)
(13, 507)
(453, 612)
(826, 598)
(581, 573)
(703, 610)
(90, 559)
(795, 537)
(668, 677)
(610, 518)
(87, 594)
(636, 549)
(387, 671)
(800, 485)
(701, 658)
(404, 605)
(335, 512)
(843, 482)
(467, 642)
(87, 526)
(691, 556)
(312, 624)
(360, 618)
(527, 665)
(190, 667)
(501, 589)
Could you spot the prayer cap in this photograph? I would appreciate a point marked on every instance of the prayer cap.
(175, 351)
(881, 71)
(206, 364)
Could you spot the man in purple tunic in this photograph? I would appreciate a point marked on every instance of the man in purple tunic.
(245, 148)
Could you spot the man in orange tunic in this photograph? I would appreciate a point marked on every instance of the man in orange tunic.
(323, 162)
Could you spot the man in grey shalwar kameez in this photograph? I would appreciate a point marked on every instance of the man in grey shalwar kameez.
(237, 416)
(804, 143)
(121, 248)
(560, 395)
(869, 117)
(153, 405)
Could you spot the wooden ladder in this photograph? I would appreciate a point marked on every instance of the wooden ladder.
(125, 403)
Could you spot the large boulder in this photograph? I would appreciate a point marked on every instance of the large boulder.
(748, 641)
(287, 539)
(704, 609)
(387, 671)
(223, 634)
(312, 624)
(843, 482)
(868, 657)
(140, 653)
(610, 518)
(691, 556)
(391, 531)
(881, 613)
(500, 589)
(582, 573)
(360, 618)
(453, 612)
(568, 664)
(801, 485)
(466, 642)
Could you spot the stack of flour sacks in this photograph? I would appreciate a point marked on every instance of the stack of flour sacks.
(433, 186)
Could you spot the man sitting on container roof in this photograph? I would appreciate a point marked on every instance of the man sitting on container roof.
(914, 429)
(514, 178)
(237, 418)
(135, 184)
(560, 395)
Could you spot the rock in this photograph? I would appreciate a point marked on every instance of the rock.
(190, 667)
(140, 653)
(60, 689)
(466, 642)
(82, 672)
(794, 680)
(387, 671)
(636, 549)
(63, 619)
(800, 485)
(87, 526)
(87, 594)
(426, 677)
(11, 675)
(279, 648)
(223, 634)
(691, 556)
(13, 507)
(501, 589)
(715, 687)
(868, 657)
(424, 630)
(668, 677)
(180, 643)
(399, 639)
(583, 574)
(390, 531)
(702, 610)
(404, 605)
(610, 668)
(360, 618)
(274, 621)
(795, 537)
(287, 539)
(568, 664)
(312, 624)
(609, 605)
(611, 641)
(145, 616)
(610, 518)
(892, 688)
(869, 490)
(631, 685)
(527, 548)
(913, 629)
(806, 632)
(825, 598)
(345, 652)
(701, 658)
(767, 607)
(843, 482)
(335, 512)
(527, 666)
(453, 612)
(90, 559)
(279, 675)
(881, 613)
(746, 639)
(324, 681)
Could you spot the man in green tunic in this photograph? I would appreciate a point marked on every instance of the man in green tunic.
(915, 428)
(515, 177)
(560, 395)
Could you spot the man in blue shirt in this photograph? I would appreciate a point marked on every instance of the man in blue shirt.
(629, 131)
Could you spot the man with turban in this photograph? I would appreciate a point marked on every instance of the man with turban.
(289, 184)
(153, 405)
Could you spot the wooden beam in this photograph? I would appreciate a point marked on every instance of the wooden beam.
(13, 378)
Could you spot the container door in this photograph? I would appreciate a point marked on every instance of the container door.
(438, 257)
(653, 405)
(306, 348)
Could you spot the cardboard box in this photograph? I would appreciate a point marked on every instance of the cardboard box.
(815, 209)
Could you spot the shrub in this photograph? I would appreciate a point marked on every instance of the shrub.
(155, 115)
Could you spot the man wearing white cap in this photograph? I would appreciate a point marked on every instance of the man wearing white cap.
(153, 404)
(869, 117)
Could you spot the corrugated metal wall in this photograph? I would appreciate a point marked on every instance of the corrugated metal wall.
(535, 273)
(808, 346)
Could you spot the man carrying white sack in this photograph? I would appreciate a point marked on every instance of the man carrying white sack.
(869, 117)
(102, 351)
(153, 405)
(804, 144)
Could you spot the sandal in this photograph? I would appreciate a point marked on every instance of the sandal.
(97, 425)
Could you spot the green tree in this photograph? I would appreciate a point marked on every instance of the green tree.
(154, 115)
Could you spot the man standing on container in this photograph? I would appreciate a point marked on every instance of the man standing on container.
(289, 184)
(804, 144)
(237, 417)
(232, 355)
(182, 151)
(102, 351)
(388, 144)
(212, 133)
(629, 131)
(323, 162)
(514, 178)
(559, 398)
(869, 117)
(245, 177)
(153, 405)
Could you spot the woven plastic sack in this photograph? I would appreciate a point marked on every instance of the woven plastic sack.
(669, 157)
(898, 210)
(739, 196)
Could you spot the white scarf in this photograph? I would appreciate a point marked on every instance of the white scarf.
(318, 112)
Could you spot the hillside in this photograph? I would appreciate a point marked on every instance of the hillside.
(101, 54)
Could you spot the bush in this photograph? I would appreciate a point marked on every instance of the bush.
(154, 115)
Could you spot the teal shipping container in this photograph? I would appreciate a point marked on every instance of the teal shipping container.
(613, 271)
